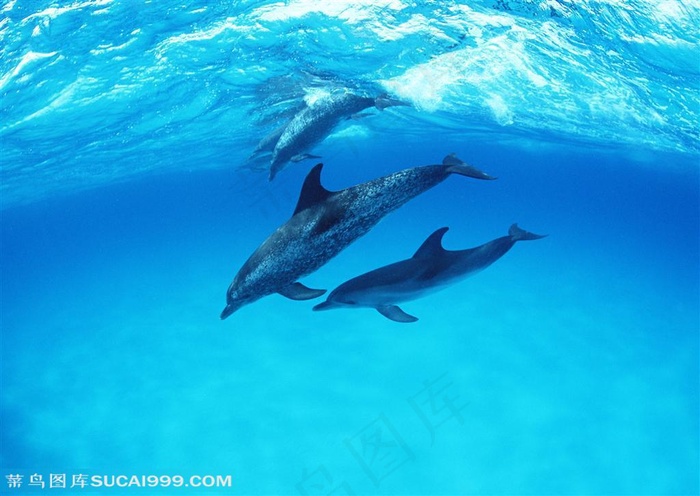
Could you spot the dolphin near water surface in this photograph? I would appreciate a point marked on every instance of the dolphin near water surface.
(431, 268)
(326, 222)
(313, 124)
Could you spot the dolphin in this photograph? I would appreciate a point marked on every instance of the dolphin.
(312, 124)
(267, 144)
(323, 224)
(431, 268)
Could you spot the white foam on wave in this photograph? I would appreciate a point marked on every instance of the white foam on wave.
(219, 28)
(475, 74)
(54, 12)
(542, 75)
(615, 72)
(423, 85)
(106, 48)
(660, 10)
(500, 109)
(416, 24)
(353, 11)
(351, 131)
(8, 6)
(314, 95)
(65, 99)
(25, 65)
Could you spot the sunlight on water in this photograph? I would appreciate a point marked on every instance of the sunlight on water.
(91, 74)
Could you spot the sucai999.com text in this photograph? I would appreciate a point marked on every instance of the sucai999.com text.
(84, 481)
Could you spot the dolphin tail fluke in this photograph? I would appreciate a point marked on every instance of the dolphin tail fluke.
(297, 291)
(393, 312)
(458, 166)
(518, 234)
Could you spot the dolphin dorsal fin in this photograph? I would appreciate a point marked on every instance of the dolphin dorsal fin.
(433, 245)
(312, 192)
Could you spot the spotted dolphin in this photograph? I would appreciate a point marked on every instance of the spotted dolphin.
(323, 224)
(315, 122)
(431, 268)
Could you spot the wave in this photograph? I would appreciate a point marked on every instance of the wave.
(102, 90)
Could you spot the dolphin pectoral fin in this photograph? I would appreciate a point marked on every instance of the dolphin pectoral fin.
(393, 312)
(303, 156)
(297, 291)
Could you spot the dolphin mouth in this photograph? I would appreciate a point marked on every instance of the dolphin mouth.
(226, 312)
(326, 305)
(384, 101)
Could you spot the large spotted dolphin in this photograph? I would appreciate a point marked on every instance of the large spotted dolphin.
(323, 224)
(430, 269)
(313, 124)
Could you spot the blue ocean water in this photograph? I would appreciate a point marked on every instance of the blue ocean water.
(570, 366)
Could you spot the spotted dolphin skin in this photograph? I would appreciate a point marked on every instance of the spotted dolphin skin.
(324, 223)
(311, 126)
(430, 269)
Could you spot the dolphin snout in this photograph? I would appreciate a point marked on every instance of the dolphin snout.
(230, 308)
(326, 305)
(385, 101)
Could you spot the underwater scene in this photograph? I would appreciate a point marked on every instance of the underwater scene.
(352, 247)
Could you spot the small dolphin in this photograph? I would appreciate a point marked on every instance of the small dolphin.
(430, 269)
(324, 223)
(314, 123)
(268, 143)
